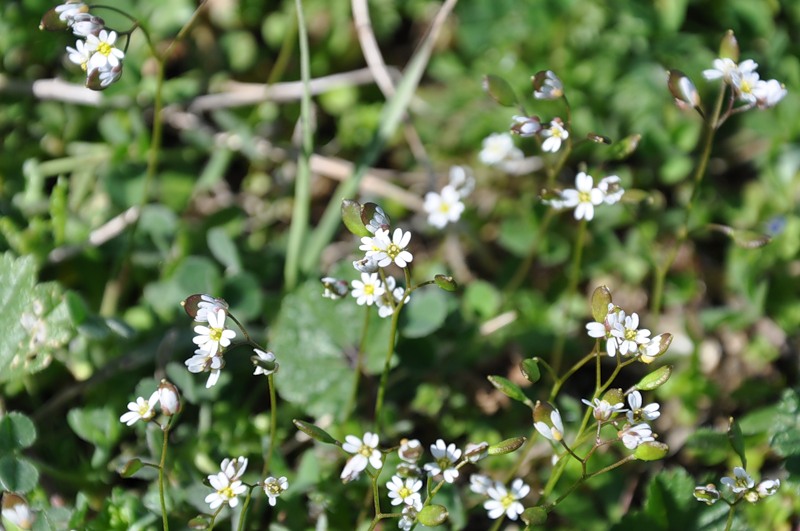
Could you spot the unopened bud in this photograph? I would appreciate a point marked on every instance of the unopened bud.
(17, 511)
(474, 452)
(507, 446)
(432, 515)
(651, 451)
(169, 398)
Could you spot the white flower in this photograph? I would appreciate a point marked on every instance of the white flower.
(525, 126)
(388, 250)
(583, 198)
(768, 487)
(404, 491)
(612, 191)
(274, 487)
(68, 10)
(233, 468)
(364, 452)
(226, 491)
(446, 457)
(335, 288)
(724, 68)
(390, 298)
(628, 336)
(379, 220)
(409, 517)
(506, 502)
(205, 361)
(708, 494)
(551, 89)
(209, 305)
(140, 410)
(168, 398)
(215, 335)
(79, 55)
(105, 53)
(474, 452)
(17, 511)
(633, 436)
(368, 289)
(480, 484)
(368, 264)
(744, 82)
(84, 24)
(603, 410)
(769, 93)
(554, 432)
(649, 351)
(554, 136)
(410, 451)
(637, 412)
(462, 180)
(443, 208)
(740, 482)
(267, 357)
(498, 148)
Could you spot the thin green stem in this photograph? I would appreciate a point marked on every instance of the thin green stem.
(243, 513)
(302, 190)
(359, 363)
(729, 521)
(572, 285)
(285, 53)
(497, 523)
(161, 465)
(586, 478)
(390, 350)
(273, 421)
(560, 381)
(710, 128)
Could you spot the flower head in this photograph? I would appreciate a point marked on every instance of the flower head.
(637, 412)
(632, 436)
(603, 410)
(274, 487)
(79, 55)
(404, 491)
(225, 490)
(583, 198)
(209, 305)
(410, 451)
(68, 10)
(387, 250)
(553, 431)
(105, 52)
(461, 179)
(768, 487)
(390, 298)
(627, 336)
(443, 208)
(368, 264)
(525, 126)
(17, 511)
(168, 398)
(551, 87)
(740, 482)
(445, 457)
(84, 24)
(205, 361)
(708, 494)
(365, 451)
(263, 360)
(368, 289)
(141, 409)
(504, 501)
(233, 468)
(554, 136)
(215, 336)
(769, 93)
(611, 188)
(498, 148)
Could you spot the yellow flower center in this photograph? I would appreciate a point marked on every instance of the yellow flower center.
(365, 450)
(104, 48)
(393, 250)
(404, 493)
(215, 334)
(444, 208)
(369, 289)
(227, 492)
(274, 488)
(507, 500)
(630, 334)
(584, 197)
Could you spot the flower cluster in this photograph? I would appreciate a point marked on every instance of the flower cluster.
(96, 50)
(498, 149)
(746, 84)
(166, 396)
(741, 485)
(623, 335)
(447, 206)
(502, 500)
(585, 196)
(228, 484)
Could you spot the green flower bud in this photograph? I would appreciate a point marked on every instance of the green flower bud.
(601, 298)
(446, 282)
(432, 515)
(655, 379)
(651, 451)
(507, 446)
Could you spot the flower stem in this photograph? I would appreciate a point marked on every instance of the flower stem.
(242, 514)
(273, 421)
(161, 464)
(387, 361)
(359, 363)
(729, 521)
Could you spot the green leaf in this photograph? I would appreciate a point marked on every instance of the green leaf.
(432, 515)
(530, 369)
(655, 379)
(16, 432)
(315, 432)
(446, 282)
(785, 429)
(131, 467)
(99, 426)
(351, 217)
(36, 319)
(224, 249)
(17, 474)
(508, 388)
(482, 299)
(52, 519)
(707, 446)
(624, 148)
(670, 502)
(736, 439)
(499, 90)
(316, 341)
(424, 313)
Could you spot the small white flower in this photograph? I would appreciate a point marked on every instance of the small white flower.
(633, 436)
(583, 198)
(209, 305)
(740, 482)
(105, 53)
(140, 410)
(768, 487)
(443, 208)
(744, 83)
(551, 89)
(274, 487)
(649, 351)
(603, 410)
(233, 468)
(554, 136)
(708, 494)
(724, 68)
(17, 511)
(267, 357)
(611, 188)
(445, 457)
(628, 335)
(226, 491)
(391, 250)
(368, 264)
(480, 484)
(462, 180)
(637, 412)
(410, 450)
(769, 93)
(334, 288)
(525, 126)
(215, 335)
(368, 289)
(504, 501)
(385, 307)
(68, 10)
(498, 148)
(409, 517)
(205, 361)
(474, 452)
(554, 432)
(79, 55)
(364, 452)
(404, 491)
(84, 24)
(168, 398)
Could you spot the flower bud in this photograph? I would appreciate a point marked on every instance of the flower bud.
(445, 282)
(601, 298)
(655, 347)
(655, 379)
(374, 218)
(169, 398)
(315, 432)
(530, 370)
(334, 288)
(547, 86)
(432, 515)
(264, 362)
(651, 451)
(708, 494)
(682, 89)
(410, 451)
(474, 452)
(17, 511)
(729, 47)
(507, 446)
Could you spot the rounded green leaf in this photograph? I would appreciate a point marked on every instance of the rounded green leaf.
(534, 516)
(351, 217)
(131, 467)
(601, 298)
(16, 431)
(651, 451)
(17, 474)
(446, 282)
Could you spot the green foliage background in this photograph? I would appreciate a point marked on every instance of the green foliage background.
(107, 324)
